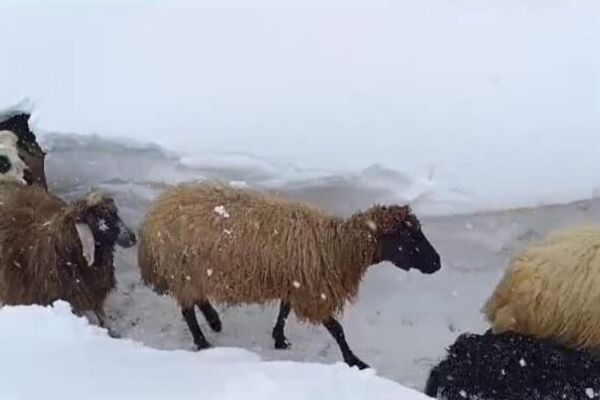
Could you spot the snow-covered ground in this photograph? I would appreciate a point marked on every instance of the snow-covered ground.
(48, 353)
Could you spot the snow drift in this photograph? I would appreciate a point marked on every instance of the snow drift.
(48, 352)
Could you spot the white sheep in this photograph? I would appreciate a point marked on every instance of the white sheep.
(552, 290)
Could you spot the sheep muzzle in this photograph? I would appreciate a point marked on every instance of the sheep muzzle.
(126, 236)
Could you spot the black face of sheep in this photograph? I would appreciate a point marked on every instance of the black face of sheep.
(102, 217)
(407, 247)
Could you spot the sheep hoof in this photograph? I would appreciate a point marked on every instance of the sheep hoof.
(356, 362)
(215, 325)
(282, 344)
(203, 346)
(113, 334)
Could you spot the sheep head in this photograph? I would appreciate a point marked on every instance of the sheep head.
(28, 148)
(12, 168)
(400, 238)
(98, 223)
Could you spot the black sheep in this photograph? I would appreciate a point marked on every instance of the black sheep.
(511, 366)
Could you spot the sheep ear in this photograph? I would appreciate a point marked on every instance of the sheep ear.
(93, 198)
(87, 241)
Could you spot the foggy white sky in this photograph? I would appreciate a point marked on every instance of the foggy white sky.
(501, 97)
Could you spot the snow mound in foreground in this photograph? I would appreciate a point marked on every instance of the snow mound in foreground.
(48, 352)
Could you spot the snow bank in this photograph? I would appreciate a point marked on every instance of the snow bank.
(49, 353)
(81, 161)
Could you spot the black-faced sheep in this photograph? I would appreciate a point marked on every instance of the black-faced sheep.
(235, 246)
(511, 366)
(29, 150)
(551, 291)
(50, 250)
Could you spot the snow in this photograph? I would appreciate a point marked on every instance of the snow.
(400, 97)
(49, 353)
(522, 363)
(222, 212)
(102, 225)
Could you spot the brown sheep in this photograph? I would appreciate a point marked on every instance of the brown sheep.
(29, 150)
(236, 246)
(50, 250)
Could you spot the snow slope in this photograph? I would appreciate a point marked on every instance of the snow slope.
(49, 353)
(484, 104)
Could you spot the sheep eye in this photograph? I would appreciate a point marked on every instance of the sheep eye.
(5, 164)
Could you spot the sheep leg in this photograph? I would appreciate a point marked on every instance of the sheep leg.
(190, 317)
(336, 330)
(211, 315)
(432, 386)
(102, 324)
(281, 341)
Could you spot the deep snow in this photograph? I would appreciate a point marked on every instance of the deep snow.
(49, 353)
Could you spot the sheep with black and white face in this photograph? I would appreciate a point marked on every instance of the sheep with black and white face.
(12, 168)
(28, 148)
